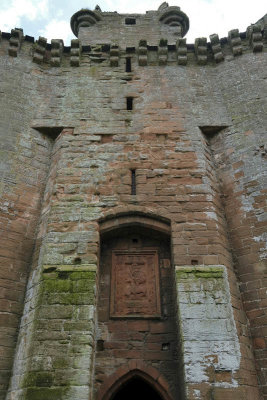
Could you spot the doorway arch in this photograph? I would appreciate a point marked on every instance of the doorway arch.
(133, 383)
(136, 302)
(134, 388)
(122, 219)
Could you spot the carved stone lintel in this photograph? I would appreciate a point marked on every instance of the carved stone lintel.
(201, 50)
(15, 42)
(181, 51)
(216, 48)
(235, 42)
(39, 51)
(75, 53)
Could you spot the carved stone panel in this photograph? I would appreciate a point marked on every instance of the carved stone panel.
(135, 288)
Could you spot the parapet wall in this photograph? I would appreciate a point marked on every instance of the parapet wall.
(164, 51)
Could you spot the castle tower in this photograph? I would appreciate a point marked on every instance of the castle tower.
(133, 247)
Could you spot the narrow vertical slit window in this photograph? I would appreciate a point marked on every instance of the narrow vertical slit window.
(133, 183)
(129, 103)
(128, 64)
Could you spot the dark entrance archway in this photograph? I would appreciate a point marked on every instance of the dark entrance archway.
(135, 384)
(136, 388)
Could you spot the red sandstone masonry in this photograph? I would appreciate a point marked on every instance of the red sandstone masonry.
(175, 179)
(243, 227)
(19, 217)
(139, 339)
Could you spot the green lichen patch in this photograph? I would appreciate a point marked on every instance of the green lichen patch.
(79, 326)
(163, 42)
(209, 274)
(60, 362)
(199, 272)
(71, 298)
(57, 393)
(50, 273)
(57, 285)
(83, 285)
(142, 43)
(39, 379)
(58, 311)
(82, 339)
(77, 268)
(91, 275)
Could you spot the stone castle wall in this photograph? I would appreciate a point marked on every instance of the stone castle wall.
(195, 139)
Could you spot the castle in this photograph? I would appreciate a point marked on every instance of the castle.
(133, 238)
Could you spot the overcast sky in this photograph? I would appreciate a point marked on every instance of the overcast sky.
(51, 18)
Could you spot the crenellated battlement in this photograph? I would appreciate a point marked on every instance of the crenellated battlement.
(154, 38)
(201, 52)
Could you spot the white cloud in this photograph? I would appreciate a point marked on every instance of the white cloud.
(10, 16)
(57, 29)
(138, 6)
(206, 16)
(218, 16)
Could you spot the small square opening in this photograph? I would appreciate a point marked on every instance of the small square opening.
(130, 21)
(165, 346)
(100, 345)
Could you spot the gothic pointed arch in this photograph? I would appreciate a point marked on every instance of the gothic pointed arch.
(135, 371)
